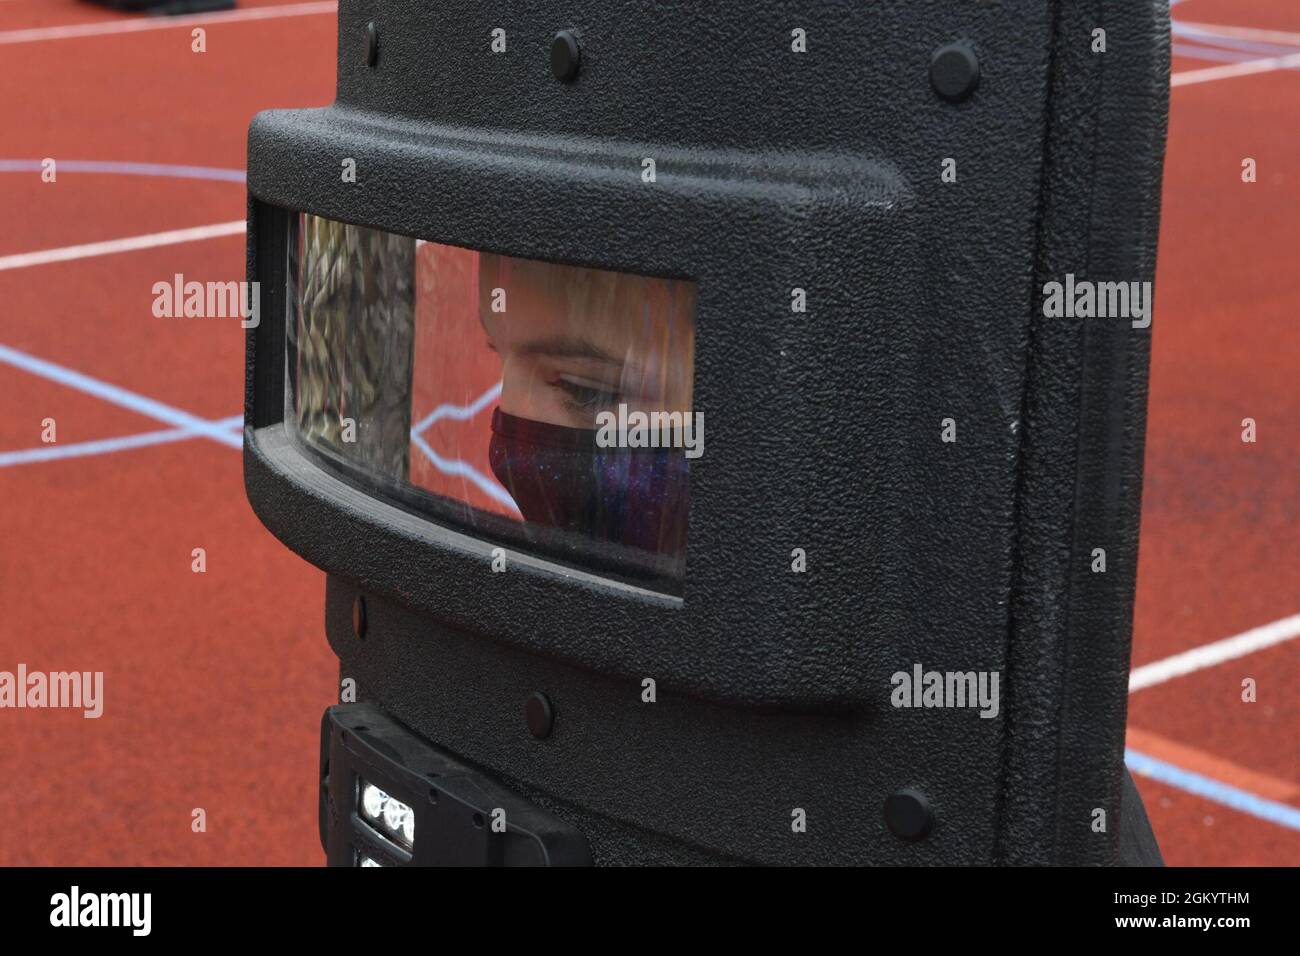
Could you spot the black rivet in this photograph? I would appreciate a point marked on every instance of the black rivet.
(359, 617)
(372, 44)
(566, 56)
(539, 714)
(955, 71)
(908, 814)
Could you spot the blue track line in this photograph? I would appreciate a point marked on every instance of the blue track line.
(1219, 56)
(458, 413)
(85, 449)
(463, 469)
(150, 408)
(1193, 35)
(456, 467)
(1242, 800)
(105, 446)
(1209, 53)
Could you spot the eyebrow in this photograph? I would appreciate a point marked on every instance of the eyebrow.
(568, 346)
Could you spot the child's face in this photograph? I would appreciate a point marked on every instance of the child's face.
(574, 342)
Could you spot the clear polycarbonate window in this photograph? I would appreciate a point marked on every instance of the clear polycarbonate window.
(540, 404)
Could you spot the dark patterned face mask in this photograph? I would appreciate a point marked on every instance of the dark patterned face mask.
(560, 478)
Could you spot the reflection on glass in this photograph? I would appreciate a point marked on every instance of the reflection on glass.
(471, 386)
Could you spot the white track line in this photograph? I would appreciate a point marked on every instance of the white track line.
(1207, 655)
(42, 256)
(1242, 33)
(107, 27)
(1267, 65)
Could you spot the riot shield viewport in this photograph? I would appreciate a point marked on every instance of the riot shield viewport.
(899, 259)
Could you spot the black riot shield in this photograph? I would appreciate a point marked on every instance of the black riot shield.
(897, 256)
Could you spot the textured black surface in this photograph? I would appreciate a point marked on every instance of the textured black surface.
(1081, 467)
(775, 170)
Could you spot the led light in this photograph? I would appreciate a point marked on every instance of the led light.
(372, 801)
(391, 817)
(400, 820)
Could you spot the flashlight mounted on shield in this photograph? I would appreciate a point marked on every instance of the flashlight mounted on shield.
(524, 257)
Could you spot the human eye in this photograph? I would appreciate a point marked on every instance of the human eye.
(584, 395)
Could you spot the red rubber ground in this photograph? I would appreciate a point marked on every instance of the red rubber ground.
(215, 681)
